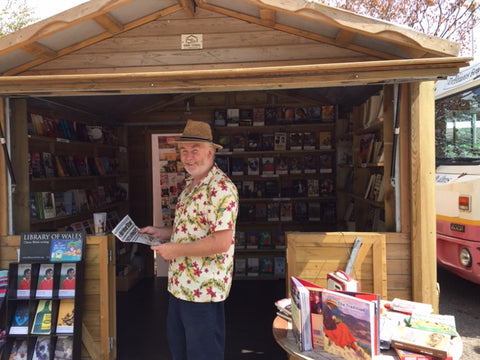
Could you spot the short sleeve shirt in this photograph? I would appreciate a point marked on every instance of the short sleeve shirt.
(212, 205)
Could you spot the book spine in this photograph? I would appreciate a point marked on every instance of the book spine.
(419, 349)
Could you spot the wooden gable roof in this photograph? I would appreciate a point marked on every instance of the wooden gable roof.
(134, 46)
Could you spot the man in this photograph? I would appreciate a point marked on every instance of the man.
(47, 282)
(200, 251)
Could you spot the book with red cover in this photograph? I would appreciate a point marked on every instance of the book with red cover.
(422, 341)
(408, 355)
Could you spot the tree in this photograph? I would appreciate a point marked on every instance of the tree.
(14, 15)
(447, 19)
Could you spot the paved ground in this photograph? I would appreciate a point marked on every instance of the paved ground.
(460, 298)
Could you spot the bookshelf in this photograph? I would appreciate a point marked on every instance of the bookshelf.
(76, 167)
(361, 179)
(282, 160)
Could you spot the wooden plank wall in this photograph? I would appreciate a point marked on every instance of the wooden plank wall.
(99, 310)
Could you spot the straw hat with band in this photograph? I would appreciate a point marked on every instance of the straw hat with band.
(197, 131)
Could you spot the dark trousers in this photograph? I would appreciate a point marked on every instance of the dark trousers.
(195, 331)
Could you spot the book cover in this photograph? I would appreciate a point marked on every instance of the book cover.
(220, 117)
(60, 209)
(300, 211)
(268, 165)
(45, 281)
(433, 322)
(264, 239)
(254, 141)
(422, 341)
(296, 140)
(253, 166)
(310, 163)
(24, 279)
(328, 113)
(270, 116)
(80, 200)
(19, 324)
(240, 266)
(248, 188)
(314, 211)
(38, 170)
(253, 266)
(279, 266)
(225, 141)
(233, 117)
(259, 189)
(42, 349)
(67, 279)
(300, 308)
(65, 318)
(409, 355)
(240, 240)
(64, 348)
(313, 187)
(258, 116)
(287, 115)
(327, 187)
(246, 117)
(48, 204)
(268, 142)
(295, 164)
(325, 140)
(223, 163)
(68, 247)
(301, 114)
(285, 211)
(329, 211)
(42, 322)
(271, 189)
(281, 165)
(280, 139)
(348, 325)
(239, 142)
(279, 239)
(251, 237)
(266, 266)
(314, 113)
(260, 211)
(246, 211)
(19, 350)
(273, 210)
(326, 163)
(49, 164)
(300, 187)
(237, 166)
(309, 141)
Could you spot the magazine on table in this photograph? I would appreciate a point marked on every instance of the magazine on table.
(127, 231)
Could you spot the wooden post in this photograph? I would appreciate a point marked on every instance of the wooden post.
(3, 177)
(422, 140)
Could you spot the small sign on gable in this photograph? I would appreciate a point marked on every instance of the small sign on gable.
(192, 41)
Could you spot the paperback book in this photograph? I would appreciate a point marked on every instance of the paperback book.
(42, 349)
(240, 267)
(24, 276)
(42, 322)
(300, 309)
(421, 341)
(350, 325)
(64, 348)
(19, 324)
(253, 266)
(65, 318)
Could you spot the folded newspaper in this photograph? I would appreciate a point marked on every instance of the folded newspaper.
(127, 231)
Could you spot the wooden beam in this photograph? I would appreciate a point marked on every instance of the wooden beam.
(188, 6)
(422, 139)
(41, 51)
(344, 37)
(275, 77)
(267, 17)
(3, 176)
(109, 23)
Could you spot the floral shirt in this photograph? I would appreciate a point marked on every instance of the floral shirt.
(210, 206)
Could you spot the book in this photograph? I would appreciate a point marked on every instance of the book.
(349, 325)
(240, 267)
(299, 187)
(280, 139)
(233, 117)
(64, 348)
(260, 211)
(300, 211)
(253, 266)
(296, 140)
(324, 140)
(220, 117)
(65, 318)
(251, 237)
(49, 164)
(281, 165)
(328, 113)
(223, 164)
(240, 241)
(279, 239)
(409, 355)
(313, 187)
(310, 163)
(326, 163)
(45, 281)
(314, 113)
(268, 165)
(253, 166)
(314, 211)
(268, 142)
(237, 166)
(245, 117)
(48, 204)
(285, 211)
(271, 189)
(301, 114)
(327, 187)
(309, 141)
(60, 209)
(287, 115)
(66, 281)
(433, 322)
(254, 141)
(273, 209)
(42, 321)
(248, 188)
(422, 341)
(225, 141)
(258, 116)
(266, 266)
(21, 316)
(127, 231)
(300, 309)
(295, 164)
(259, 188)
(239, 142)
(279, 266)
(270, 115)
(24, 276)
(42, 349)
(264, 239)
(19, 350)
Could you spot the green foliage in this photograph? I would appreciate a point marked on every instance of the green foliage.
(14, 15)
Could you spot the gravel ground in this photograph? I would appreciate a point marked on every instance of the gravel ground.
(460, 298)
